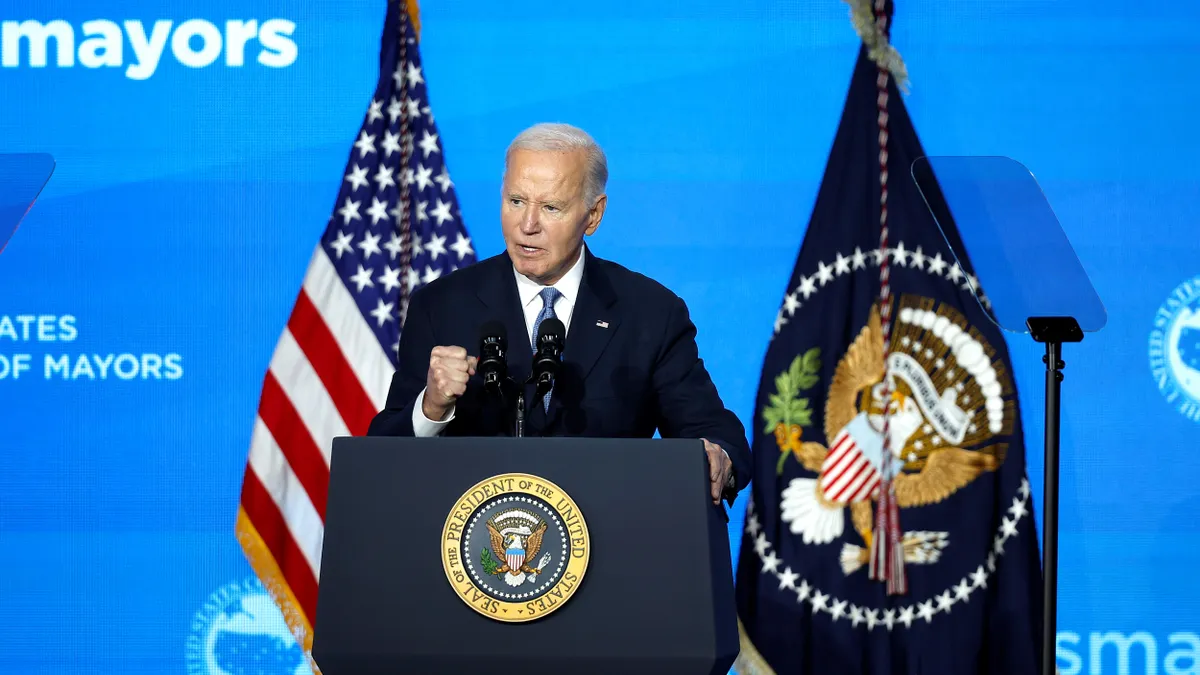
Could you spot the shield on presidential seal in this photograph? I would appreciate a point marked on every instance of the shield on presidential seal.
(516, 557)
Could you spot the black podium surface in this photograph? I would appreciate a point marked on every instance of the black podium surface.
(655, 596)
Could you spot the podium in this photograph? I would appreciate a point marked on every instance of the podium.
(493, 555)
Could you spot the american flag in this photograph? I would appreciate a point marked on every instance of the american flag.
(395, 226)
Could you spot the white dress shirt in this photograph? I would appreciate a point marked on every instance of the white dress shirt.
(531, 304)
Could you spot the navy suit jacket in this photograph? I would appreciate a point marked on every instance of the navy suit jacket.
(639, 373)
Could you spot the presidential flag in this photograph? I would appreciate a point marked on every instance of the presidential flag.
(395, 226)
(886, 381)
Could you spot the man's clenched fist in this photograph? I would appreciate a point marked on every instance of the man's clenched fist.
(449, 369)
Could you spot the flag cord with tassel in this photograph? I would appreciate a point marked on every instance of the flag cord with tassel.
(887, 546)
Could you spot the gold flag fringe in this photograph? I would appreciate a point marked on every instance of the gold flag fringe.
(879, 48)
(268, 572)
(414, 15)
(749, 661)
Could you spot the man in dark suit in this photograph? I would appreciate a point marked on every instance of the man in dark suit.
(630, 364)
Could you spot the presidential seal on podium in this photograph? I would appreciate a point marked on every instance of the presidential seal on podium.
(515, 547)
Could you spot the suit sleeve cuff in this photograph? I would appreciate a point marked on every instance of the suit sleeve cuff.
(422, 425)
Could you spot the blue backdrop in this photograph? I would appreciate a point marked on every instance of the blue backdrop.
(159, 266)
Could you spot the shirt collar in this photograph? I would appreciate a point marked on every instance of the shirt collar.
(568, 285)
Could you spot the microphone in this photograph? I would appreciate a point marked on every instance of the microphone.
(548, 357)
(493, 352)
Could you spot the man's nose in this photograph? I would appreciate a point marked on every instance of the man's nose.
(529, 222)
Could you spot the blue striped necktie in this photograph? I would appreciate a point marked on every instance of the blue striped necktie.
(549, 297)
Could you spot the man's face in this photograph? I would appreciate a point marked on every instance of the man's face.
(543, 214)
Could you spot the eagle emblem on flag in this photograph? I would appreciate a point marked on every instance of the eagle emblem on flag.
(947, 402)
(889, 529)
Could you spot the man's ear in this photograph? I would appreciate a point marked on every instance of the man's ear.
(596, 214)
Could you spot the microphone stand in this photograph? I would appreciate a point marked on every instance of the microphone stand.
(540, 391)
(543, 382)
(520, 412)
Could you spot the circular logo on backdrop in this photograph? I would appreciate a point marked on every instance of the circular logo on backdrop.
(1175, 349)
(515, 547)
(239, 630)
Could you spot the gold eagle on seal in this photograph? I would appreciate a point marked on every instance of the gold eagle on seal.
(948, 399)
(514, 546)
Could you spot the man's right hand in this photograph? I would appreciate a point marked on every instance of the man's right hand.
(449, 369)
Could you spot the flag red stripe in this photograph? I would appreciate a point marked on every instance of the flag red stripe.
(837, 476)
(271, 526)
(296, 443)
(840, 488)
(322, 351)
(854, 487)
(855, 492)
(844, 459)
(845, 489)
(841, 446)
(871, 488)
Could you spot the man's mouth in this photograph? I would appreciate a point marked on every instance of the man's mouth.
(530, 249)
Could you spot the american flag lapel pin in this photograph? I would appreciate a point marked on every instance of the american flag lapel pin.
(602, 324)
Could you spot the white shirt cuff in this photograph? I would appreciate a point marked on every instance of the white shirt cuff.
(422, 425)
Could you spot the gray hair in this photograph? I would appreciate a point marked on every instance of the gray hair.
(549, 136)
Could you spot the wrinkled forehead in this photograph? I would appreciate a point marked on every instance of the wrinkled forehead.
(545, 175)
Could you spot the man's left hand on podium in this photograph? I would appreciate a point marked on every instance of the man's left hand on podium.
(720, 469)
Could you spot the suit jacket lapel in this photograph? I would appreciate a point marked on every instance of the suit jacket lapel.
(593, 323)
(595, 319)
